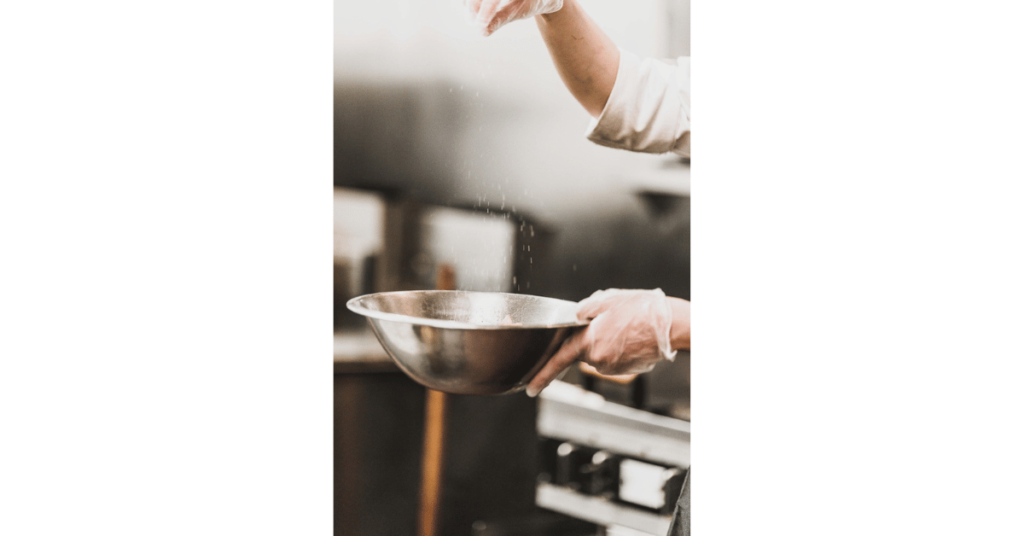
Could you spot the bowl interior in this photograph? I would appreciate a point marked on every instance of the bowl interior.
(447, 308)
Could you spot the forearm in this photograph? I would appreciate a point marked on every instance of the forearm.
(679, 334)
(586, 58)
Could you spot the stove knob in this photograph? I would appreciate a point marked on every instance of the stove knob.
(569, 459)
(600, 477)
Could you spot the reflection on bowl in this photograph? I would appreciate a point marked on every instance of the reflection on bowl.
(454, 341)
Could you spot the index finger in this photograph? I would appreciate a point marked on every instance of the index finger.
(565, 356)
(487, 9)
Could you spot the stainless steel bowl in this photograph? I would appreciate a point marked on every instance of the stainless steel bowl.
(454, 341)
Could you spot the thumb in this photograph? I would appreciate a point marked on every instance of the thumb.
(570, 351)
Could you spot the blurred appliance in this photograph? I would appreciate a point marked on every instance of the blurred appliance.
(612, 465)
(420, 238)
(358, 242)
(663, 187)
(386, 242)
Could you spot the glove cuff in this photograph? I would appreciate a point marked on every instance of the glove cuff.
(662, 314)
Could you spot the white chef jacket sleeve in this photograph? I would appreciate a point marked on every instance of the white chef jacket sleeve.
(649, 108)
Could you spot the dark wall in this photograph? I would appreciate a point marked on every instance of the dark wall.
(397, 137)
(490, 462)
(378, 435)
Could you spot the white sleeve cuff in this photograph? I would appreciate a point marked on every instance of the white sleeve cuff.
(648, 109)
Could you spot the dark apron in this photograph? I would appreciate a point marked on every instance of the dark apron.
(681, 517)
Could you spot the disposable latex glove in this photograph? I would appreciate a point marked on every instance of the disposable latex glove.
(490, 15)
(629, 333)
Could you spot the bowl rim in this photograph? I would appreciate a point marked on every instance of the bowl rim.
(354, 306)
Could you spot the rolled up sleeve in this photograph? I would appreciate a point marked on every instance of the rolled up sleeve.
(649, 108)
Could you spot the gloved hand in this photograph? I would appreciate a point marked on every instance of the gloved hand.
(490, 15)
(629, 333)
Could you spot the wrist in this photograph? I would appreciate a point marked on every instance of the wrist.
(679, 334)
(660, 308)
(567, 6)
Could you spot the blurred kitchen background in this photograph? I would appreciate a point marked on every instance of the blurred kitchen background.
(460, 161)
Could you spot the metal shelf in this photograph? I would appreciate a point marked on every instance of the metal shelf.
(599, 511)
(573, 414)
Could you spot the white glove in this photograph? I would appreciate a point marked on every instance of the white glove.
(629, 330)
(490, 15)
(629, 333)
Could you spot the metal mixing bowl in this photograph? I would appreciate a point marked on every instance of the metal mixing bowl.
(453, 340)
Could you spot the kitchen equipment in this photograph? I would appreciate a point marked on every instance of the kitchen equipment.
(454, 341)
(608, 463)
(358, 243)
